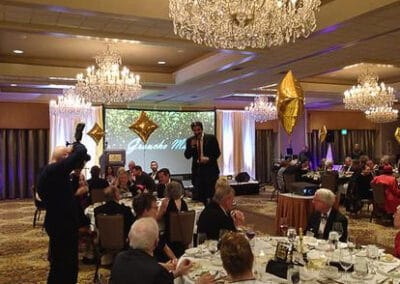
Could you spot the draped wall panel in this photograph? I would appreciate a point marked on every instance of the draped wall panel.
(264, 154)
(22, 153)
(343, 144)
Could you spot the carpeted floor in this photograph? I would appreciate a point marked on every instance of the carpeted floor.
(23, 253)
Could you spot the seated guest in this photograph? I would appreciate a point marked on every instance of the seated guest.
(364, 182)
(322, 165)
(295, 169)
(321, 221)
(279, 175)
(374, 168)
(392, 191)
(164, 178)
(124, 184)
(329, 166)
(96, 182)
(154, 170)
(112, 207)
(218, 214)
(237, 258)
(109, 175)
(396, 222)
(145, 205)
(137, 264)
(173, 203)
(142, 181)
(347, 166)
(131, 165)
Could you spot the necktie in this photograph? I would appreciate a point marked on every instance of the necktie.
(200, 154)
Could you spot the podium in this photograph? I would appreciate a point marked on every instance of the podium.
(115, 158)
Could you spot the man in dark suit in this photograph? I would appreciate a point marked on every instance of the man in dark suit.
(322, 220)
(204, 151)
(142, 181)
(218, 214)
(61, 221)
(164, 178)
(96, 182)
(137, 264)
(112, 207)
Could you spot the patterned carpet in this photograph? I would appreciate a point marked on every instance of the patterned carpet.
(23, 253)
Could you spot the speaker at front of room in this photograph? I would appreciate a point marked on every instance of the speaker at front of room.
(330, 136)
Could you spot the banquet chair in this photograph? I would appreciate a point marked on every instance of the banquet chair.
(329, 181)
(97, 195)
(111, 237)
(181, 225)
(288, 180)
(378, 203)
(38, 204)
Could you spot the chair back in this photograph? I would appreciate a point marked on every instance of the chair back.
(111, 231)
(329, 181)
(289, 179)
(39, 204)
(181, 225)
(97, 195)
(378, 191)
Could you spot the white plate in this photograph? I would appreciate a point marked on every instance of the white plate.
(192, 251)
(330, 276)
(387, 258)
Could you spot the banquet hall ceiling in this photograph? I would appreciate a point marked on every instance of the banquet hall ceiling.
(60, 39)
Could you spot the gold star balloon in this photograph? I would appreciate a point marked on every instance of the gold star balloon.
(322, 133)
(143, 126)
(397, 134)
(96, 133)
(289, 102)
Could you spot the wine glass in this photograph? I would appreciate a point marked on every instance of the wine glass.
(283, 225)
(337, 227)
(213, 246)
(345, 260)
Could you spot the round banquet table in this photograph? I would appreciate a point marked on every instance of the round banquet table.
(264, 250)
(296, 208)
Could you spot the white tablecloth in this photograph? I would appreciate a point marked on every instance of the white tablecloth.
(264, 250)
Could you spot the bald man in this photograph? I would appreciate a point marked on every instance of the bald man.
(61, 221)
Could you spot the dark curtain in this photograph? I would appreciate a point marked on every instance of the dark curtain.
(342, 145)
(264, 154)
(22, 153)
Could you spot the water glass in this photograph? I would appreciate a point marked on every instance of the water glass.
(345, 260)
(337, 227)
(293, 275)
(361, 266)
(333, 239)
(283, 225)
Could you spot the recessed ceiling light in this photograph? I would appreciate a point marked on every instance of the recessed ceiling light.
(161, 62)
(18, 51)
(13, 85)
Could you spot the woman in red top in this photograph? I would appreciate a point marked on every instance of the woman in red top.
(392, 191)
(396, 222)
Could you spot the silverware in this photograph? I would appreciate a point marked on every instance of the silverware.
(393, 269)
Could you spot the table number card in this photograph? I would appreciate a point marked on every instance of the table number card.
(282, 251)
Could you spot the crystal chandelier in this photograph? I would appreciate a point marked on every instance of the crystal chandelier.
(262, 110)
(70, 104)
(382, 114)
(107, 83)
(368, 93)
(243, 23)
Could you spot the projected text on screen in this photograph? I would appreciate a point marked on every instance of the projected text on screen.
(165, 145)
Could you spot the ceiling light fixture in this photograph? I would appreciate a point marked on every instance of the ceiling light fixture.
(368, 93)
(262, 110)
(161, 62)
(382, 114)
(18, 51)
(243, 23)
(70, 104)
(108, 83)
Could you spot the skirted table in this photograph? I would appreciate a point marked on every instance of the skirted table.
(295, 208)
